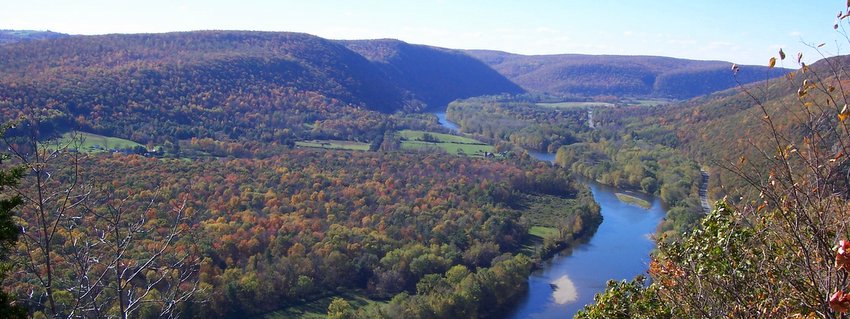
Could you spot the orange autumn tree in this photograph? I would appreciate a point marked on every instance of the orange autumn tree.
(88, 249)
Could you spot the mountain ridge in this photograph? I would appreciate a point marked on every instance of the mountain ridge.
(270, 85)
(226, 80)
(12, 36)
(617, 75)
(727, 128)
(437, 75)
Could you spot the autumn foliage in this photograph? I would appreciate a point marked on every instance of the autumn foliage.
(281, 230)
(780, 250)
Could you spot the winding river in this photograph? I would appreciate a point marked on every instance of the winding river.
(619, 249)
(441, 116)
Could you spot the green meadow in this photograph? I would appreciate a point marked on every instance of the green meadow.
(453, 144)
(90, 142)
(573, 105)
(318, 309)
(334, 145)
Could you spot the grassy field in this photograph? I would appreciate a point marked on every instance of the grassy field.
(573, 105)
(334, 145)
(452, 148)
(633, 200)
(542, 212)
(443, 138)
(90, 142)
(543, 232)
(648, 102)
(632, 102)
(452, 144)
(318, 309)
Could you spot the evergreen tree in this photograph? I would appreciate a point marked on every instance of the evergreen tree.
(9, 231)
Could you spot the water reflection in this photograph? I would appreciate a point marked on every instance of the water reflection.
(564, 290)
(618, 250)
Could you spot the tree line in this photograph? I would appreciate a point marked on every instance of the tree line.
(248, 236)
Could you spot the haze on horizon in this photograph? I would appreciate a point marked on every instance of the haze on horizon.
(743, 32)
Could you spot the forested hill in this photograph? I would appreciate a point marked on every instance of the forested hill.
(597, 75)
(12, 36)
(202, 59)
(224, 84)
(437, 76)
(729, 128)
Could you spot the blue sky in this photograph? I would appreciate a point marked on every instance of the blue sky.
(741, 31)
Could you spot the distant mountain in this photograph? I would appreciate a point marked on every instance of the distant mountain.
(299, 61)
(12, 36)
(276, 86)
(437, 76)
(595, 75)
(227, 83)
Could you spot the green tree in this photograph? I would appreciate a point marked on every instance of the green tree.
(340, 309)
(427, 137)
(9, 231)
(626, 300)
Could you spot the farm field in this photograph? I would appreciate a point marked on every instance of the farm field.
(90, 142)
(452, 144)
(574, 105)
(543, 232)
(334, 145)
(444, 138)
(625, 102)
(648, 102)
(318, 309)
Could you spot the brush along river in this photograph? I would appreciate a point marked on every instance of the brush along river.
(618, 250)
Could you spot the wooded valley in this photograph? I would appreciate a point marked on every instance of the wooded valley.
(233, 174)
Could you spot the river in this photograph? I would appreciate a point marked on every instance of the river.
(619, 249)
(441, 116)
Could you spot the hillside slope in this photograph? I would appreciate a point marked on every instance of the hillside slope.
(595, 75)
(434, 75)
(729, 128)
(221, 84)
(12, 36)
(301, 61)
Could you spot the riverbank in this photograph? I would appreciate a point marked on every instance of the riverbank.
(617, 249)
